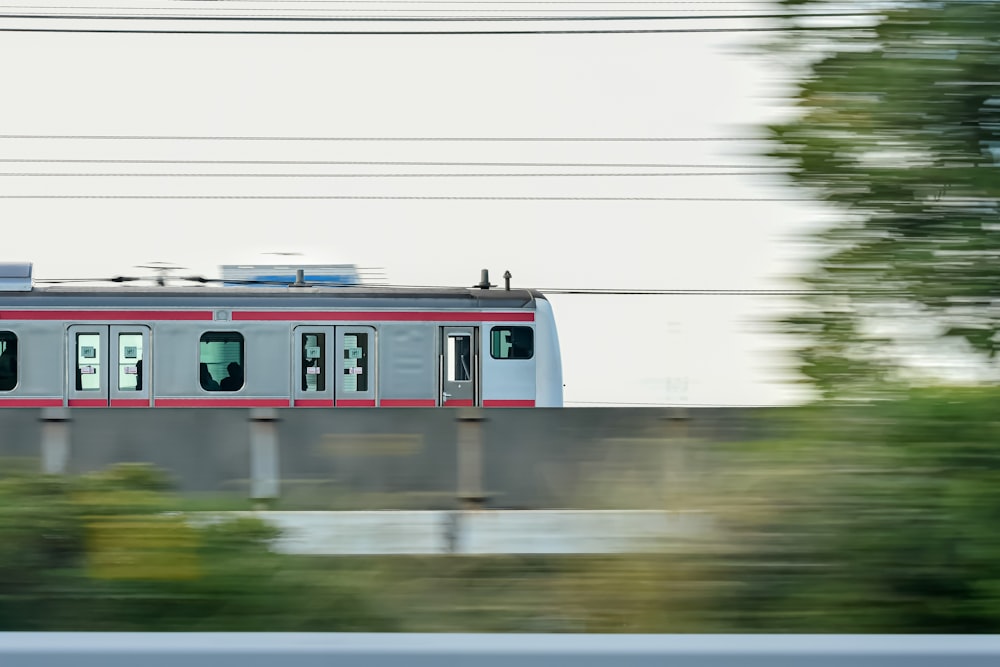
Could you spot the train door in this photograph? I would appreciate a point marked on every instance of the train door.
(459, 367)
(334, 366)
(108, 365)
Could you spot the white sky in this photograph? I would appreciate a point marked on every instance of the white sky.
(652, 349)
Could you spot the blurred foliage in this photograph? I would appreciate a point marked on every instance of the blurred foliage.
(849, 518)
(876, 517)
(897, 129)
(103, 552)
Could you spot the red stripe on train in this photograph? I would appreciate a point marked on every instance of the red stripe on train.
(407, 403)
(130, 402)
(222, 403)
(209, 402)
(313, 403)
(458, 403)
(381, 316)
(31, 402)
(88, 402)
(105, 315)
(267, 315)
(328, 403)
(355, 402)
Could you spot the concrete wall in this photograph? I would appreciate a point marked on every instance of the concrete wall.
(401, 458)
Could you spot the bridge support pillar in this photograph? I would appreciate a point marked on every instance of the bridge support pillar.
(470, 458)
(264, 469)
(676, 469)
(55, 441)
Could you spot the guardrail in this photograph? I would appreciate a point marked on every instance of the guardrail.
(478, 532)
(495, 650)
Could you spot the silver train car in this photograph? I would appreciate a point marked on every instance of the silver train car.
(274, 347)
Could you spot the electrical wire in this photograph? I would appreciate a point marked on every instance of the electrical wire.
(505, 2)
(631, 165)
(86, 14)
(711, 292)
(411, 198)
(555, 291)
(167, 137)
(416, 10)
(421, 19)
(390, 175)
(385, 33)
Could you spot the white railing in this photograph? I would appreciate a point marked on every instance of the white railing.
(500, 650)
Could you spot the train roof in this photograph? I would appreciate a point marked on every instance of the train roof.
(271, 297)
(17, 287)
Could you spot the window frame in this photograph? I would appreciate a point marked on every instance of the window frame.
(511, 328)
(98, 366)
(242, 359)
(323, 364)
(365, 362)
(122, 361)
(11, 336)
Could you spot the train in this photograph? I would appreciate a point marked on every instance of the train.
(295, 345)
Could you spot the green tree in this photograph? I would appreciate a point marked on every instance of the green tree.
(880, 519)
(898, 131)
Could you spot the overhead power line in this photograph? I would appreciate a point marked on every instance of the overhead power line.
(943, 203)
(708, 292)
(376, 175)
(422, 19)
(507, 2)
(165, 137)
(629, 165)
(561, 291)
(410, 198)
(385, 33)
(382, 7)
(789, 292)
(409, 9)
(451, 5)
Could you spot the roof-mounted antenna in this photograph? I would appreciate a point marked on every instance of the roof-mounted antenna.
(161, 268)
(484, 280)
(300, 278)
(506, 280)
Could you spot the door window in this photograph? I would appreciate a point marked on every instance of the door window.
(355, 363)
(459, 359)
(88, 362)
(313, 362)
(130, 362)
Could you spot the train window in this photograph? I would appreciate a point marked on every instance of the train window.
(221, 361)
(512, 342)
(355, 362)
(313, 362)
(459, 358)
(88, 362)
(130, 362)
(8, 360)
